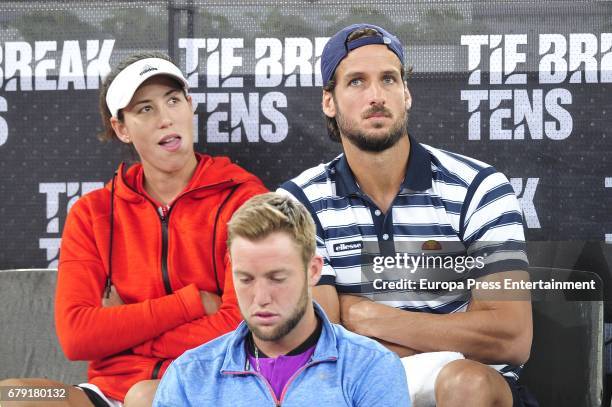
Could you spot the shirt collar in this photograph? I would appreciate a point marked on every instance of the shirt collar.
(344, 179)
(326, 348)
(418, 173)
(308, 343)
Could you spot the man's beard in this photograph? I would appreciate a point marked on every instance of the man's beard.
(282, 330)
(371, 143)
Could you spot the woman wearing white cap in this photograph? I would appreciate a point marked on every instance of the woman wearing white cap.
(143, 272)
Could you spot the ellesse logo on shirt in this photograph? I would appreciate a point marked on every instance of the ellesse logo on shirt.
(343, 247)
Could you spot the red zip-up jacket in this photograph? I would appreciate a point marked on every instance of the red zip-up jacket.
(159, 265)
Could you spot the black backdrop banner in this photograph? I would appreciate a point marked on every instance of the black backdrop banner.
(524, 86)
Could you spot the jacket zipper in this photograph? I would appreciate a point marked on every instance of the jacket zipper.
(156, 369)
(296, 374)
(164, 254)
(164, 231)
(277, 402)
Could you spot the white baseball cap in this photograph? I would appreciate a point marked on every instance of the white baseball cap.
(126, 83)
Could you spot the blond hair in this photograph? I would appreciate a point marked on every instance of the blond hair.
(271, 212)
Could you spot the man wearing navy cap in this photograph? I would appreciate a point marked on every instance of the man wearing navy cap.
(464, 347)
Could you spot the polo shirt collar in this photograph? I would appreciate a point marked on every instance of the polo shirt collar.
(345, 180)
(418, 173)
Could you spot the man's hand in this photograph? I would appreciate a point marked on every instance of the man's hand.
(210, 301)
(113, 299)
(353, 311)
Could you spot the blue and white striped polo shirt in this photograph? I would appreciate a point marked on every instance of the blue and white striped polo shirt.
(445, 197)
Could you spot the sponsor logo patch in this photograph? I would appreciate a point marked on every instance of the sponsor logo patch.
(343, 247)
(431, 245)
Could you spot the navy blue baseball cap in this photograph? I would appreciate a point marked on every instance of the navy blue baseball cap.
(338, 47)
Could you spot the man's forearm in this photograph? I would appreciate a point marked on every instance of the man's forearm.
(399, 350)
(488, 336)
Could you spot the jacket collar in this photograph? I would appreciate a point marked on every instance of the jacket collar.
(211, 175)
(418, 172)
(235, 355)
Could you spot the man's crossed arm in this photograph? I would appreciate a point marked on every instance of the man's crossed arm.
(492, 330)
